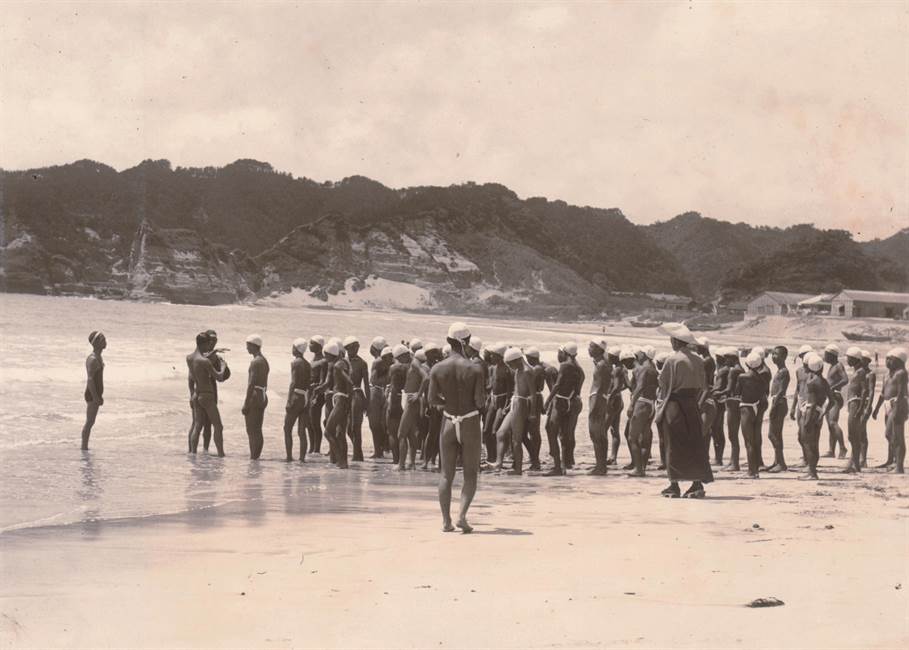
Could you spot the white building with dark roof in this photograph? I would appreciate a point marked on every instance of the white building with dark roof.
(870, 304)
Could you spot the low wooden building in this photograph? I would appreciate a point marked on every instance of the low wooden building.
(775, 303)
(851, 303)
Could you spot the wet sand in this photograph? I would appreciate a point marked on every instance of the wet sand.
(565, 562)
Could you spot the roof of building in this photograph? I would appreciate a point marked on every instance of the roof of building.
(784, 298)
(873, 296)
(669, 297)
(820, 299)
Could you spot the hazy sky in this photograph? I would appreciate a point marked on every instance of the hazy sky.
(770, 113)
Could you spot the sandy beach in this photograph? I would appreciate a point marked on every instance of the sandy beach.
(574, 562)
(136, 545)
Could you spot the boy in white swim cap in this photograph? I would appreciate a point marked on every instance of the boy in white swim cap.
(256, 398)
(297, 408)
(94, 385)
(459, 388)
(359, 379)
(318, 372)
(895, 400)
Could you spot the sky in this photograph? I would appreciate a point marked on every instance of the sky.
(771, 113)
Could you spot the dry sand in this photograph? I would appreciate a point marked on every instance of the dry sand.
(571, 562)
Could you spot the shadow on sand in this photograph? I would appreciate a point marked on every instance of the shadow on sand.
(502, 531)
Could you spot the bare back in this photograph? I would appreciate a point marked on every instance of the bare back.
(457, 385)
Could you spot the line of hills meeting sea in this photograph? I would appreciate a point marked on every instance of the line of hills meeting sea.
(244, 232)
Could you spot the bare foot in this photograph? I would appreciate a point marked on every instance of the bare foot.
(464, 526)
(447, 527)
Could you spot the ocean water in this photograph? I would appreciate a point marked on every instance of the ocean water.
(137, 465)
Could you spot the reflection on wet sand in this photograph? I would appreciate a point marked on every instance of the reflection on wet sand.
(89, 493)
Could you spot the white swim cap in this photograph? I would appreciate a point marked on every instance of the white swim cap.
(476, 343)
(754, 360)
(661, 357)
(446, 350)
(898, 353)
(703, 341)
(498, 348)
(512, 354)
(379, 343)
(420, 354)
(317, 339)
(350, 340)
(614, 350)
(832, 348)
(731, 352)
(626, 353)
(805, 349)
(814, 362)
(300, 345)
(429, 347)
(458, 331)
(867, 355)
(415, 344)
(600, 343)
(255, 339)
(854, 352)
(570, 348)
(759, 351)
(532, 352)
(386, 351)
(650, 351)
(335, 339)
(400, 350)
(333, 348)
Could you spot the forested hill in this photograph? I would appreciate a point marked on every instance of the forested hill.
(198, 235)
(225, 234)
(737, 260)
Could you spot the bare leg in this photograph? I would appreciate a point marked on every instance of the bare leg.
(470, 453)
(91, 413)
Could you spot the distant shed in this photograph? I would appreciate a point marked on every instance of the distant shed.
(869, 304)
(776, 303)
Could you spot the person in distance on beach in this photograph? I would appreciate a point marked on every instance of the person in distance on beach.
(566, 386)
(816, 392)
(534, 420)
(641, 411)
(359, 377)
(202, 346)
(501, 389)
(614, 405)
(856, 398)
(94, 386)
(871, 378)
(207, 369)
(895, 400)
(408, 438)
(596, 406)
(378, 380)
(766, 376)
(778, 407)
(397, 377)
(660, 362)
(836, 378)
(297, 409)
(338, 386)
(629, 359)
(718, 429)
(431, 444)
(458, 387)
(708, 406)
(733, 412)
(749, 390)
(514, 426)
(682, 386)
(318, 371)
(256, 396)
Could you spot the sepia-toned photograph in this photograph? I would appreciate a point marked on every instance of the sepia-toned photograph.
(467, 325)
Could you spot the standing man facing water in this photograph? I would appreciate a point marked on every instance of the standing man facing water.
(836, 378)
(318, 371)
(459, 387)
(207, 369)
(359, 377)
(94, 387)
(778, 407)
(297, 410)
(682, 386)
(895, 399)
(378, 380)
(256, 399)
(596, 406)
(202, 346)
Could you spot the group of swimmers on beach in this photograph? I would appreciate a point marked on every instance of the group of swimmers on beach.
(437, 401)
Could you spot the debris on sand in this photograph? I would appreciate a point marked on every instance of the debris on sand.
(829, 526)
(770, 601)
(755, 525)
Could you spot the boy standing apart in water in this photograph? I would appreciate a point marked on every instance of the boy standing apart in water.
(256, 399)
(94, 388)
